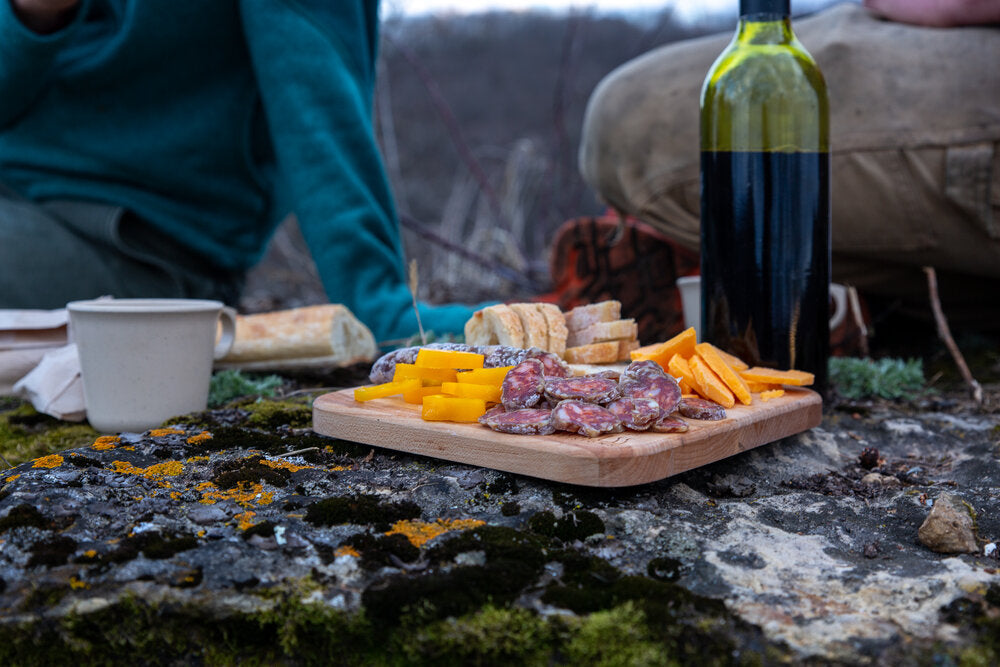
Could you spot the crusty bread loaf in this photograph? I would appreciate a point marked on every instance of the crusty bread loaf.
(625, 348)
(595, 353)
(556, 324)
(600, 332)
(536, 328)
(495, 325)
(582, 317)
(329, 333)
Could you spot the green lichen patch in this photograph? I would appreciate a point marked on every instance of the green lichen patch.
(52, 551)
(23, 515)
(26, 434)
(269, 415)
(360, 509)
(152, 544)
(382, 550)
(262, 529)
(571, 526)
(229, 474)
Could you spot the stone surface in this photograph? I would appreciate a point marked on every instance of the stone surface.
(948, 528)
(805, 550)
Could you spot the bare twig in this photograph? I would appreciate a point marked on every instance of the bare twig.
(859, 320)
(297, 452)
(503, 271)
(945, 333)
(4, 458)
(451, 123)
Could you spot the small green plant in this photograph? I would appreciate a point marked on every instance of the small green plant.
(229, 384)
(891, 378)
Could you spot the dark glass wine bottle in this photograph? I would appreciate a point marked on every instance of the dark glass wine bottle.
(765, 197)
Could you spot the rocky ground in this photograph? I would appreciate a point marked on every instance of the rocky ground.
(240, 535)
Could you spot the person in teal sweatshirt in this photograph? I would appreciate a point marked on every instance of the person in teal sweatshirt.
(151, 149)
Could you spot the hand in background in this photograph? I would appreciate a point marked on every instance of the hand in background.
(937, 13)
(44, 16)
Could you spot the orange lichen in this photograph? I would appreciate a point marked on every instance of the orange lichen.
(245, 494)
(285, 465)
(76, 584)
(245, 519)
(166, 469)
(347, 550)
(420, 532)
(50, 461)
(90, 553)
(160, 432)
(195, 459)
(106, 442)
(200, 437)
(12, 478)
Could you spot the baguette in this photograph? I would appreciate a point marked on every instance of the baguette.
(600, 332)
(328, 332)
(595, 353)
(582, 317)
(556, 325)
(495, 325)
(534, 324)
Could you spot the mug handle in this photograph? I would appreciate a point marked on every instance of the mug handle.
(227, 318)
(839, 295)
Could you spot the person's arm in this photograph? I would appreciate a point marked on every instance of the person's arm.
(314, 61)
(31, 35)
(938, 13)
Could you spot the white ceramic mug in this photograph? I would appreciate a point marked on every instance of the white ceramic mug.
(690, 288)
(146, 360)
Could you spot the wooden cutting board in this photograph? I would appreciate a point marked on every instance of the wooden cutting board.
(616, 459)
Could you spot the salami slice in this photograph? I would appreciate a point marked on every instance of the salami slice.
(555, 367)
(526, 421)
(494, 356)
(636, 414)
(670, 424)
(587, 419)
(643, 368)
(587, 388)
(524, 385)
(489, 414)
(700, 408)
(661, 388)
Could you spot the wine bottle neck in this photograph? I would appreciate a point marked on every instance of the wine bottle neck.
(779, 8)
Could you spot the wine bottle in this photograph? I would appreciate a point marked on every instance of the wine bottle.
(765, 197)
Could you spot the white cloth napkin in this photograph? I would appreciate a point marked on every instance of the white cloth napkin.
(37, 362)
(54, 386)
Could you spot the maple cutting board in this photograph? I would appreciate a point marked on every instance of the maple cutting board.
(616, 459)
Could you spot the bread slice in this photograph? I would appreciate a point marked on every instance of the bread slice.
(582, 317)
(556, 324)
(328, 332)
(604, 331)
(595, 353)
(534, 324)
(625, 348)
(495, 325)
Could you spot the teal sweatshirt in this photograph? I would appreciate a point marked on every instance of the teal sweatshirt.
(212, 120)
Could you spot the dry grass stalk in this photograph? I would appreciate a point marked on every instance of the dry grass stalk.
(945, 333)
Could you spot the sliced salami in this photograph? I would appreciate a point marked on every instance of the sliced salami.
(700, 408)
(661, 388)
(643, 368)
(554, 365)
(526, 421)
(495, 410)
(587, 419)
(494, 356)
(670, 424)
(587, 388)
(609, 373)
(636, 414)
(524, 385)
